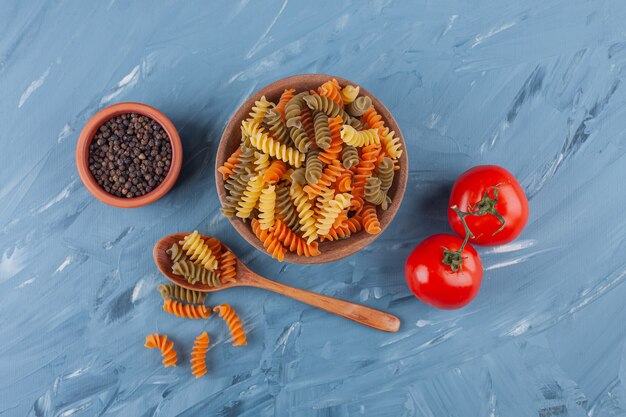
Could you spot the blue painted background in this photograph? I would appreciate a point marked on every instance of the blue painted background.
(535, 86)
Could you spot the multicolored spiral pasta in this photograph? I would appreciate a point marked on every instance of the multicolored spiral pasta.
(349, 156)
(267, 205)
(186, 311)
(332, 90)
(198, 355)
(176, 253)
(275, 172)
(250, 197)
(349, 93)
(359, 106)
(235, 326)
(156, 341)
(198, 251)
(174, 291)
(196, 274)
(284, 99)
(292, 241)
(228, 267)
(270, 242)
(227, 169)
(314, 165)
(322, 131)
(357, 138)
(313, 170)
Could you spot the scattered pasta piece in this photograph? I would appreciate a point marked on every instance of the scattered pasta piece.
(231, 318)
(156, 341)
(198, 355)
(186, 311)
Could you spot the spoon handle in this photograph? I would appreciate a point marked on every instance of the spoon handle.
(368, 316)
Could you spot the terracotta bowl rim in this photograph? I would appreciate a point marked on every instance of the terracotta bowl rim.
(358, 241)
(87, 134)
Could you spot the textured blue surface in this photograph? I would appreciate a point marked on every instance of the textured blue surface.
(537, 87)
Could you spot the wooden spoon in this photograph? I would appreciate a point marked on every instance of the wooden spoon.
(246, 278)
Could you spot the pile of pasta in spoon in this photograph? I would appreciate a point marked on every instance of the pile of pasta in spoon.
(315, 166)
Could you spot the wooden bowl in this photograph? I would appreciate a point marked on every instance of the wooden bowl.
(331, 251)
(87, 134)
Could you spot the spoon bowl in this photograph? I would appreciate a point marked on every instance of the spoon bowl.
(246, 278)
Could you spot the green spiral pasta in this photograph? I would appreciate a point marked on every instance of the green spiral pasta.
(276, 126)
(385, 173)
(374, 194)
(349, 156)
(298, 176)
(176, 253)
(293, 110)
(355, 123)
(359, 106)
(195, 274)
(326, 105)
(300, 138)
(236, 185)
(285, 210)
(183, 294)
(261, 162)
(322, 133)
(314, 167)
(329, 211)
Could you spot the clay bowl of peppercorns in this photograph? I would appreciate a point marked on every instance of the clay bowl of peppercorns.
(129, 155)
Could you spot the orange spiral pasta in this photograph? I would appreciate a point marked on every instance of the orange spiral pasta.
(231, 318)
(270, 242)
(284, 99)
(390, 144)
(228, 267)
(186, 311)
(370, 221)
(293, 242)
(198, 355)
(332, 90)
(345, 229)
(227, 169)
(344, 182)
(328, 178)
(275, 172)
(215, 246)
(156, 341)
(333, 152)
(364, 170)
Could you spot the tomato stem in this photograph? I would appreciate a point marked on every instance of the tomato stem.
(487, 205)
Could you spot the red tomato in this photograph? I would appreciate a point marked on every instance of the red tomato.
(434, 282)
(505, 198)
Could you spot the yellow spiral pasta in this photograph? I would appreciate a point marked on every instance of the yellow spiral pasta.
(250, 197)
(329, 212)
(349, 93)
(198, 251)
(305, 213)
(353, 137)
(235, 326)
(275, 149)
(261, 162)
(259, 110)
(267, 205)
